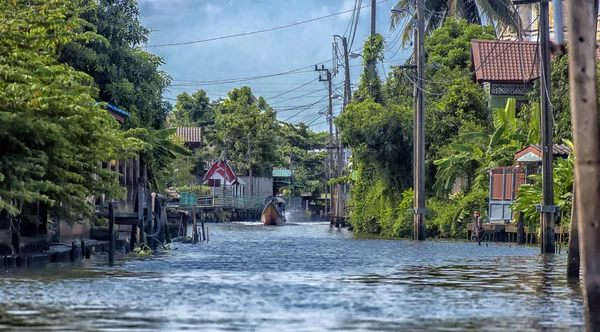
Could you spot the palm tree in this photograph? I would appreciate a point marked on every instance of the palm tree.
(436, 11)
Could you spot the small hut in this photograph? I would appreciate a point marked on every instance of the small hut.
(505, 181)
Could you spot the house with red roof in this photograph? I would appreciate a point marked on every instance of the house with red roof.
(505, 69)
(222, 179)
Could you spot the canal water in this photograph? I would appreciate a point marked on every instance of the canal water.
(299, 277)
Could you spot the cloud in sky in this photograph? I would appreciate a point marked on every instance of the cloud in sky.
(266, 53)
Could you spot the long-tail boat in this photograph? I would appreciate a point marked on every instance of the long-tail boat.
(274, 212)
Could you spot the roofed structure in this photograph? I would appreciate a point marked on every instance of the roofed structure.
(117, 113)
(505, 60)
(192, 136)
(220, 174)
(533, 153)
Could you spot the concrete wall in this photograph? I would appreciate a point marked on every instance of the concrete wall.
(263, 186)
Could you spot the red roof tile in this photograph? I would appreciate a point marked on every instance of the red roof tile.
(505, 60)
(190, 134)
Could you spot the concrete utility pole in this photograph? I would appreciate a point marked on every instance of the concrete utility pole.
(340, 205)
(373, 32)
(330, 120)
(583, 80)
(548, 209)
(292, 180)
(419, 129)
(251, 188)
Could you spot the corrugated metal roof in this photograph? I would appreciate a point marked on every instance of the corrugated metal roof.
(190, 134)
(117, 110)
(282, 173)
(557, 149)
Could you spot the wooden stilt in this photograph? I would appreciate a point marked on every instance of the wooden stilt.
(111, 233)
(573, 261)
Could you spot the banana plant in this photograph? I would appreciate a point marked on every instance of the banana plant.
(530, 195)
(163, 151)
(493, 150)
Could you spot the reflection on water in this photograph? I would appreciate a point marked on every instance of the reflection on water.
(300, 277)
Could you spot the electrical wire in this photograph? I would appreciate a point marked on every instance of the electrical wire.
(294, 89)
(356, 23)
(255, 32)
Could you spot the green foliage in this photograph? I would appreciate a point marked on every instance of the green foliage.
(371, 87)
(450, 45)
(379, 130)
(193, 110)
(477, 152)
(530, 195)
(165, 149)
(241, 119)
(449, 218)
(197, 190)
(440, 12)
(373, 205)
(380, 137)
(54, 136)
(127, 76)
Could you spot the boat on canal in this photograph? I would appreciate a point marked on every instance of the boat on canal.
(273, 213)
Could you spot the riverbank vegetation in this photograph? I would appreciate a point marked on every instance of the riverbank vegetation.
(464, 140)
(244, 129)
(62, 62)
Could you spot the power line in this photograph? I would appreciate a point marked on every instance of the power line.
(254, 32)
(245, 79)
(294, 89)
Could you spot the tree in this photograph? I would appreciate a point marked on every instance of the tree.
(193, 110)
(165, 149)
(371, 87)
(54, 136)
(437, 12)
(242, 117)
(127, 76)
(450, 44)
(299, 147)
(477, 152)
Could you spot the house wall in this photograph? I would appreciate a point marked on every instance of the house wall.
(263, 186)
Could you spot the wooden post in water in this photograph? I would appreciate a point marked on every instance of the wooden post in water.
(111, 233)
(202, 225)
(583, 79)
(194, 227)
(573, 261)
(161, 219)
(148, 221)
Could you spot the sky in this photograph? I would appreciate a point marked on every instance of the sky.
(273, 52)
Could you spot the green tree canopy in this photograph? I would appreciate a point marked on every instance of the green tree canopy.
(126, 76)
(438, 12)
(193, 110)
(54, 136)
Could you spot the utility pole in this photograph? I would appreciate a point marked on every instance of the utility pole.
(330, 119)
(347, 89)
(419, 129)
(548, 209)
(251, 188)
(583, 80)
(326, 180)
(292, 180)
(340, 204)
(373, 32)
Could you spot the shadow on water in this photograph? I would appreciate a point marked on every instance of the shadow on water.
(307, 277)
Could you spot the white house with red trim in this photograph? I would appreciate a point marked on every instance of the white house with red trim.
(220, 175)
